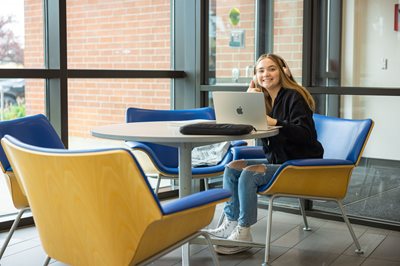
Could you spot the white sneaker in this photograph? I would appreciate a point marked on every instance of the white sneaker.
(224, 230)
(239, 234)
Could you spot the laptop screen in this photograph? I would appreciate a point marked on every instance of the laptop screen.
(240, 108)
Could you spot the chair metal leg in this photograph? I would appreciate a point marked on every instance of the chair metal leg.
(353, 235)
(46, 261)
(221, 219)
(303, 213)
(157, 185)
(211, 248)
(11, 232)
(186, 254)
(205, 183)
(268, 235)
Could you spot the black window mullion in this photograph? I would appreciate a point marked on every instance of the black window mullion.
(264, 27)
(56, 58)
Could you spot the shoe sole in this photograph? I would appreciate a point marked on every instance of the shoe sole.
(230, 250)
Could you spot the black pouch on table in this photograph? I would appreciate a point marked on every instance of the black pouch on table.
(216, 129)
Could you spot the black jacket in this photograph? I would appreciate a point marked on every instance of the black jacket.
(297, 139)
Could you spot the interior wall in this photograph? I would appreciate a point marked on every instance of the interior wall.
(371, 58)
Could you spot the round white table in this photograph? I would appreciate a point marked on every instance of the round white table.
(167, 133)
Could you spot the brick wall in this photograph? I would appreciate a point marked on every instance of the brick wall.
(288, 33)
(34, 56)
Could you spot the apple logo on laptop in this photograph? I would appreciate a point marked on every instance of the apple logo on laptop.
(239, 110)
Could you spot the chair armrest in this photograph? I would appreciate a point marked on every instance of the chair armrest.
(248, 152)
(312, 177)
(196, 200)
(137, 145)
(143, 147)
(238, 143)
(317, 162)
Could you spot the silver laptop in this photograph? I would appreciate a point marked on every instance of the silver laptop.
(240, 108)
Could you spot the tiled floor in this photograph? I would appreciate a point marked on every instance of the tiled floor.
(329, 243)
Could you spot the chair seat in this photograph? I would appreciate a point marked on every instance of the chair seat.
(172, 172)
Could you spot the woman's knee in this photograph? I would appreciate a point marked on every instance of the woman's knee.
(257, 168)
(237, 164)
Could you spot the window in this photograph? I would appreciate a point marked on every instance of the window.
(370, 58)
(21, 97)
(21, 43)
(119, 34)
(123, 40)
(232, 45)
(231, 41)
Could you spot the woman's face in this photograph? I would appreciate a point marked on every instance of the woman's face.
(267, 74)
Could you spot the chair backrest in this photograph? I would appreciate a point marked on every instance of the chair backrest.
(90, 207)
(35, 130)
(168, 156)
(342, 138)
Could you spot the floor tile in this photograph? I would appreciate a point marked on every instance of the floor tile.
(380, 262)
(304, 257)
(389, 249)
(345, 260)
(368, 242)
(323, 240)
(292, 238)
(29, 257)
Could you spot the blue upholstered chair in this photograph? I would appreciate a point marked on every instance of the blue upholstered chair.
(161, 161)
(35, 130)
(96, 207)
(327, 179)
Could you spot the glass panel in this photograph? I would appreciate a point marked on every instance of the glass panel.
(288, 34)
(371, 44)
(21, 34)
(231, 41)
(232, 46)
(20, 98)
(374, 190)
(97, 102)
(119, 34)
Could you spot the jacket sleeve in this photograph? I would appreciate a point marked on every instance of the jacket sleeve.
(299, 127)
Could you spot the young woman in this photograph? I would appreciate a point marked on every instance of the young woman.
(288, 105)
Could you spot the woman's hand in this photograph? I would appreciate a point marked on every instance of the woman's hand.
(252, 87)
(271, 121)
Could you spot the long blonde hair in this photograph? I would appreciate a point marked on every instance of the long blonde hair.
(286, 80)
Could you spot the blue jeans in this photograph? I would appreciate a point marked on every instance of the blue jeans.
(243, 184)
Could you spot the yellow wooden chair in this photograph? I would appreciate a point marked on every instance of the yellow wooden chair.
(97, 207)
